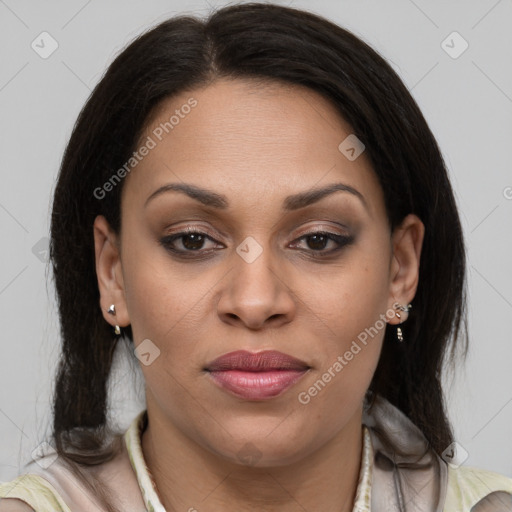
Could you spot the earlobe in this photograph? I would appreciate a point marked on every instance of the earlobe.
(109, 272)
(407, 241)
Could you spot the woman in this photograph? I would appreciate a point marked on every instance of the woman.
(257, 205)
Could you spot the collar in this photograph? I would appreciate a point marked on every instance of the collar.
(133, 436)
(408, 475)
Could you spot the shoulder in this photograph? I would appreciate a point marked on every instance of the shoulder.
(29, 493)
(470, 487)
(53, 485)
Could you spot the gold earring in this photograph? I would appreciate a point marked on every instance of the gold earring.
(112, 311)
(398, 306)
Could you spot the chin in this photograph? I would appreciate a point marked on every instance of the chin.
(268, 447)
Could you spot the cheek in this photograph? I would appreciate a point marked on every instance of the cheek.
(350, 296)
(347, 362)
(348, 323)
(157, 293)
(335, 392)
(167, 306)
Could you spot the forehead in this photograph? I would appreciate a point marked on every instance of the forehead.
(254, 141)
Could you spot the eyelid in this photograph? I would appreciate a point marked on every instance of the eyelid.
(194, 229)
(215, 235)
(325, 227)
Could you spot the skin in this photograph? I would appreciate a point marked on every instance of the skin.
(255, 144)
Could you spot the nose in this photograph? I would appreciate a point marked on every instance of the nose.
(256, 294)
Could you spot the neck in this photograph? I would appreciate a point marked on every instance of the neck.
(192, 478)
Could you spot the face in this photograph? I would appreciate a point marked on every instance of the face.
(253, 259)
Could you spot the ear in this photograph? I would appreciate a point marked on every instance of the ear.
(407, 241)
(109, 272)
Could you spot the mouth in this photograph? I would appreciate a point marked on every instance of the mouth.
(256, 376)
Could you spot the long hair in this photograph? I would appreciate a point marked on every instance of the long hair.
(268, 43)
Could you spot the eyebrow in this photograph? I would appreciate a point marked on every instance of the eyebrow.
(290, 203)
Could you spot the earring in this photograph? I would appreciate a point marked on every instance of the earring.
(112, 311)
(398, 306)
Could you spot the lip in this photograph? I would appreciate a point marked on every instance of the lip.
(256, 376)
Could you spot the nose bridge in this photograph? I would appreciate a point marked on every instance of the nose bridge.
(256, 292)
(255, 278)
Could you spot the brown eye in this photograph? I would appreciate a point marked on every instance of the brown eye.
(188, 242)
(193, 241)
(318, 241)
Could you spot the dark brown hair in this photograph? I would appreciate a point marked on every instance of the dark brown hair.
(269, 43)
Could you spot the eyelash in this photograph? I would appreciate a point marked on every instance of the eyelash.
(167, 243)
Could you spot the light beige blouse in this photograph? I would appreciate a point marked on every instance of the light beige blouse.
(49, 486)
(55, 489)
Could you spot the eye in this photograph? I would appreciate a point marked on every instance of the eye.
(189, 241)
(317, 241)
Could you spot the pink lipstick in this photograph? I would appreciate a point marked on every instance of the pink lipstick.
(256, 376)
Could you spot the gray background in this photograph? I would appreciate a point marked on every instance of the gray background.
(467, 101)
